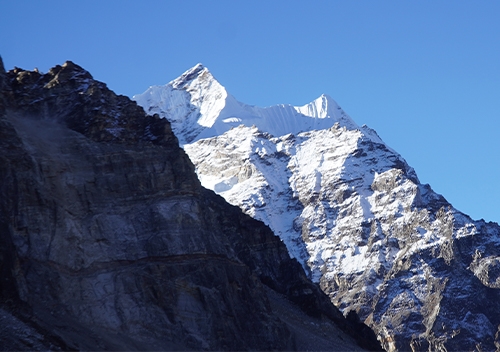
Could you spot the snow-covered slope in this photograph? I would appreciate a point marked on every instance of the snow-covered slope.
(349, 208)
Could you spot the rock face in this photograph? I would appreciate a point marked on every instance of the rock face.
(422, 274)
(108, 240)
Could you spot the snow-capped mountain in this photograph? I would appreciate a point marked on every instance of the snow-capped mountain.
(422, 274)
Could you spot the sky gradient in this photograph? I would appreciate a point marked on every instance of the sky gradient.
(424, 74)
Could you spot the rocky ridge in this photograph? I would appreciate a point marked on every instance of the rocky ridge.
(422, 274)
(109, 242)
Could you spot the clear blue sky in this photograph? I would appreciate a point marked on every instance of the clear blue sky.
(424, 74)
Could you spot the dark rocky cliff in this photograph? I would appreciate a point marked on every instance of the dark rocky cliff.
(108, 241)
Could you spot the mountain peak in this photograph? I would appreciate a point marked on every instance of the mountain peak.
(196, 72)
(324, 106)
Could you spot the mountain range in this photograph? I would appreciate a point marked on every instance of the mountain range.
(420, 273)
(108, 241)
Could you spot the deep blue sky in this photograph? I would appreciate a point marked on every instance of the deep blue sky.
(424, 74)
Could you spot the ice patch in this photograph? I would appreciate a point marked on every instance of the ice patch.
(225, 185)
(232, 120)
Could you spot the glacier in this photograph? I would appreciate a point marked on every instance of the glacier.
(348, 207)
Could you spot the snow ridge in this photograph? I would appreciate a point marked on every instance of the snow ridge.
(198, 106)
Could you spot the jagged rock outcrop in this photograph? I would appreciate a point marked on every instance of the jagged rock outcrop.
(108, 240)
(382, 245)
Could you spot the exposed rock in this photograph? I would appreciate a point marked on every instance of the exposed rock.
(109, 242)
